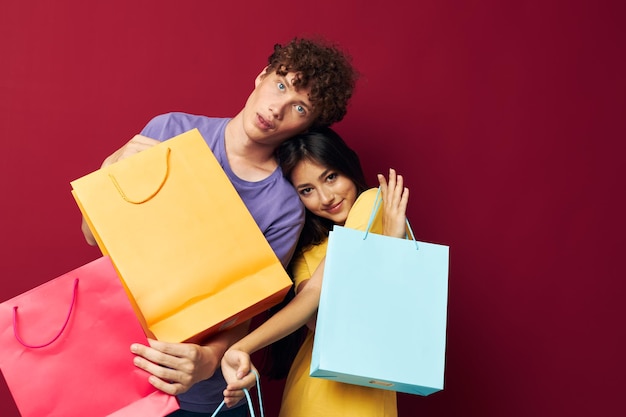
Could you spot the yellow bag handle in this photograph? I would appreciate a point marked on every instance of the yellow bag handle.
(149, 197)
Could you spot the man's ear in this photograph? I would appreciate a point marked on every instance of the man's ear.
(260, 77)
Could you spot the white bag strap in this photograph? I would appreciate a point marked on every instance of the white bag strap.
(245, 391)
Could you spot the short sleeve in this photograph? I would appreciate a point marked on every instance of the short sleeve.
(359, 215)
(305, 265)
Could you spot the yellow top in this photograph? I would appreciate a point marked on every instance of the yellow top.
(305, 396)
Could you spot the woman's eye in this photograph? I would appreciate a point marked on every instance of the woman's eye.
(332, 176)
(281, 86)
(300, 109)
(305, 191)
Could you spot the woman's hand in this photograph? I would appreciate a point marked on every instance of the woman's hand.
(395, 200)
(236, 368)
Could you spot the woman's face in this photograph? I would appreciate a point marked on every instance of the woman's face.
(324, 192)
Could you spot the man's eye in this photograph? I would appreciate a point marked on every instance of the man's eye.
(300, 109)
(281, 86)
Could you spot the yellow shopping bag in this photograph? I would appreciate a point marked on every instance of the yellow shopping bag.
(187, 249)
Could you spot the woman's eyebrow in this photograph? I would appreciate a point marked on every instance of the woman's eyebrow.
(324, 174)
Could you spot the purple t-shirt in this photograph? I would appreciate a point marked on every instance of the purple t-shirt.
(273, 203)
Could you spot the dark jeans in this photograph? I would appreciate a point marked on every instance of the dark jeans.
(241, 411)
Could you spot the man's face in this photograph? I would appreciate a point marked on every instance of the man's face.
(275, 110)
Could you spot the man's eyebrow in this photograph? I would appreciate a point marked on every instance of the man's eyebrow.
(307, 105)
(289, 84)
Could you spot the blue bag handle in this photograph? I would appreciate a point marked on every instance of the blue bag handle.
(377, 203)
(245, 391)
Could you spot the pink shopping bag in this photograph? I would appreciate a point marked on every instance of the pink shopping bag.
(65, 349)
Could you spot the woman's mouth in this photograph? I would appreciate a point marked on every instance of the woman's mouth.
(335, 208)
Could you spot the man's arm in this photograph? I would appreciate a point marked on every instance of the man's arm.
(176, 367)
(289, 319)
(236, 364)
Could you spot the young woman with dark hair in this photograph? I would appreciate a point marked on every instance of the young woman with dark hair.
(329, 180)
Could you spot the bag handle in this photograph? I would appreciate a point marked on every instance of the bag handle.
(67, 319)
(245, 391)
(161, 184)
(377, 203)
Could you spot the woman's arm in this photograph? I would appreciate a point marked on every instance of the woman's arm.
(295, 314)
(289, 319)
(236, 364)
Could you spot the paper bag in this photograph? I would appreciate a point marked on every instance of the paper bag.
(189, 252)
(65, 349)
(382, 314)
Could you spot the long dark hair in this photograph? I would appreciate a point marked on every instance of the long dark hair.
(325, 147)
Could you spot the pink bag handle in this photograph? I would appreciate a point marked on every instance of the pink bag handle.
(161, 184)
(67, 319)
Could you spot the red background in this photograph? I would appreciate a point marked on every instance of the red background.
(506, 118)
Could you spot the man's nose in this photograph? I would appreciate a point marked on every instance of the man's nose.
(277, 109)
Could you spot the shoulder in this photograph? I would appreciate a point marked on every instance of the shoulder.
(308, 261)
(279, 197)
(365, 201)
(167, 125)
(274, 194)
(274, 204)
(362, 210)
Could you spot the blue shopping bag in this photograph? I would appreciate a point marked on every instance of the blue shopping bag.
(382, 313)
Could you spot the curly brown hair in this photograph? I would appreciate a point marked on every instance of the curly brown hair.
(324, 68)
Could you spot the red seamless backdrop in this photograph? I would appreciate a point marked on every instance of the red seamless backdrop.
(506, 118)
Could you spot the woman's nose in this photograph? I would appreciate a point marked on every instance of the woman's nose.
(326, 196)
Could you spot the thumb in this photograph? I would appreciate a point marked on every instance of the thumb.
(242, 370)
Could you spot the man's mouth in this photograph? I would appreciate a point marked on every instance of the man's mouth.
(264, 123)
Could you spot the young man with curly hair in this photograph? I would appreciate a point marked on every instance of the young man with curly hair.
(306, 83)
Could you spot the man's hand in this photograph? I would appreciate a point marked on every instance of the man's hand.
(137, 144)
(175, 367)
